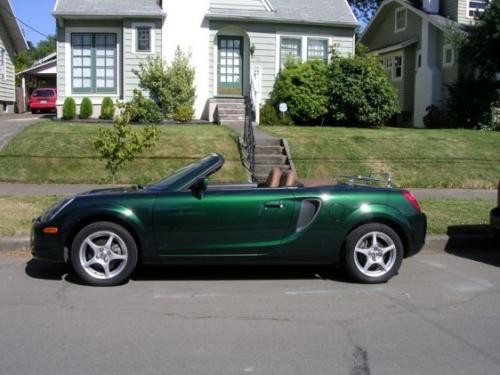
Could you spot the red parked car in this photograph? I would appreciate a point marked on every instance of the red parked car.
(43, 100)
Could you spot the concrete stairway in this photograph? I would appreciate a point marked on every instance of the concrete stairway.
(230, 111)
(269, 153)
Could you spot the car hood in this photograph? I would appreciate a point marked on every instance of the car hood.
(111, 191)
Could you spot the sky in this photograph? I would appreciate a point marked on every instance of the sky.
(38, 15)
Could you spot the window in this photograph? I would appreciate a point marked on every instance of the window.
(291, 48)
(93, 63)
(3, 65)
(317, 49)
(474, 7)
(143, 34)
(448, 55)
(400, 20)
(397, 68)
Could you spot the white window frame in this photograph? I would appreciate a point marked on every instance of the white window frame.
(68, 56)
(151, 27)
(304, 38)
(393, 74)
(448, 47)
(396, 12)
(3, 57)
(468, 8)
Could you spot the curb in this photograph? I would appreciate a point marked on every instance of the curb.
(435, 244)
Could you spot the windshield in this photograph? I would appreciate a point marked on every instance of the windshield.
(188, 174)
(43, 94)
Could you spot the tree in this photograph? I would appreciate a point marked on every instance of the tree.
(120, 144)
(45, 47)
(480, 47)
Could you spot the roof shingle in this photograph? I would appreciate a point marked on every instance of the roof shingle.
(112, 8)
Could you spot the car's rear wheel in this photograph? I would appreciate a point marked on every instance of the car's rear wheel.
(104, 254)
(373, 253)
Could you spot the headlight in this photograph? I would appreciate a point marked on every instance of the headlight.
(53, 211)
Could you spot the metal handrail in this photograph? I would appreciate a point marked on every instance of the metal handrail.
(249, 137)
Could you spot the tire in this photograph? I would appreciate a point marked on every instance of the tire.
(33, 111)
(104, 254)
(370, 264)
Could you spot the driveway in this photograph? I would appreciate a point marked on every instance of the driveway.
(440, 315)
(11, 125)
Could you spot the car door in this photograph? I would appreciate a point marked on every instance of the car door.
(224, 222)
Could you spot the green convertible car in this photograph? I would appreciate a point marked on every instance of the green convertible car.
(183, 219)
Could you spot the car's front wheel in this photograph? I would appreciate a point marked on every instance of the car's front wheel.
(373, 253)
(104, 254)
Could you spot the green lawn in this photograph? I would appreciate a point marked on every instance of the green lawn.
(51, 152)
(415, 157)
(17, 213)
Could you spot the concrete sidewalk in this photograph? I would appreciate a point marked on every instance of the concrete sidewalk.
(62, 189)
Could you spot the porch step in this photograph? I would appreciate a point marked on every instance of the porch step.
(266, 168)
(231, 111)
(269, 150)
(268, 142)
(228, 100)
(263, 159)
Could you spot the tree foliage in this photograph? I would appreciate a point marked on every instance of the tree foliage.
(480, 47)
(107, 108)
(86, 108)
(120, 144)
(69, 108)
(45, 47)
(143, 110)
(170, 85)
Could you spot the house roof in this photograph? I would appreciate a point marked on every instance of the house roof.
(8, 18)
(108, 8)
(435, 19)
(316, 12)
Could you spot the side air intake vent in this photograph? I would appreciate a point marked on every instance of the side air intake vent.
(308, 211)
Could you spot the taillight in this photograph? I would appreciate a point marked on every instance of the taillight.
(413, 201)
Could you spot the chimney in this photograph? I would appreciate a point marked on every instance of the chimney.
(431, 6)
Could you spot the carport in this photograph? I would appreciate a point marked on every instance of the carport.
(43, 73)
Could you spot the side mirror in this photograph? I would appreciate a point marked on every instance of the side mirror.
(200, 187)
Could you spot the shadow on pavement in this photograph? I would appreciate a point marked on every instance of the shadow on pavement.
(52, 271)
(476, 242)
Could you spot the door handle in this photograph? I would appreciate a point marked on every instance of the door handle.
(274, 205)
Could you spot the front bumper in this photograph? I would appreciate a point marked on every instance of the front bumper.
(48, 247)
(495, 218)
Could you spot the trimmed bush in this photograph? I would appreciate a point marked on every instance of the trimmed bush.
(69, 109)
(107, 108)
(269, 116)
(86, 108)
(469, 103)
(304, 88)
(184, 113)
(359, 92)
(143, 110)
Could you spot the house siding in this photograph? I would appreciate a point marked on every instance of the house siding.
(384, 34)
(449, 74)
(7, 86)
(131, 60)
(462, 12)
(264, 38)
(238, 4)
(449, 8)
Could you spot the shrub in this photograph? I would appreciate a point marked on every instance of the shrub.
(304, 88)
(359, 92)
(69, 109)
(86, 108)
(269, 116)
(107, 109)
(143, 110)
(436, 118)
(184, 113)
(170, 85)
(469, 103)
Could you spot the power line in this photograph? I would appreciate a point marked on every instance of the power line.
(22, 22)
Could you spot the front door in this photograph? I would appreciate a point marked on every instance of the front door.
(230, 66)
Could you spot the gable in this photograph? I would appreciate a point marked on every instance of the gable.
(253, 5)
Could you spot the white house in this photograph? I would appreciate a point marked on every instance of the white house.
(236, 46)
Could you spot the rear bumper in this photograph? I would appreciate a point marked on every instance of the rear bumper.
(419, 225)
(46, 247)
(495, 218)
(43, 106)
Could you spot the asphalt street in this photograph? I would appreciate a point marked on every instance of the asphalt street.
(440, 315)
